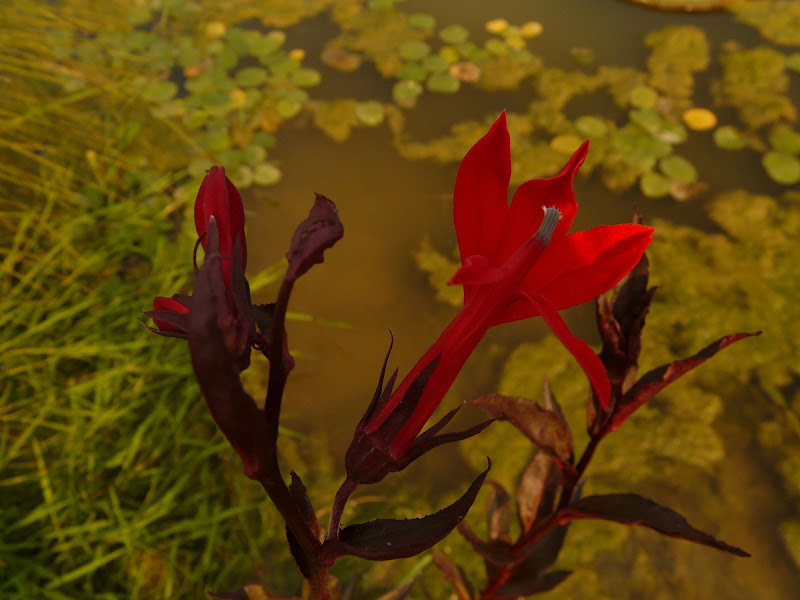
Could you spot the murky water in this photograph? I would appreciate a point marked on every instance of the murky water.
(388, 205)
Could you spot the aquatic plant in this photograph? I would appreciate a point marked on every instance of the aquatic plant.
(517, 262)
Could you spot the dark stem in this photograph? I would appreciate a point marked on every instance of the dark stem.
(339, 502)
(279, 366)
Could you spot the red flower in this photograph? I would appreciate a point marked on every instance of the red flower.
(218, 201)
(517, 261)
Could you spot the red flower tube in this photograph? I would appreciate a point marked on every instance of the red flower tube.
(517, 262)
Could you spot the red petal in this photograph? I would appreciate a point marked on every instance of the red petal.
(583, 353)
(219, 197)
(172, 305)
(581, 266)
(480, 199)
(525, 213)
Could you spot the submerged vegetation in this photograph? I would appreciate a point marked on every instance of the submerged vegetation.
(111, 481)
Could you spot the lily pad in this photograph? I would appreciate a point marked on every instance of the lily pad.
(305, 77)
(412, 71)
(638, 148)
(654, 185)
(782, 168)
(444, 83)
(531, 29)
(159, 91)
(643, 97)
(699, 119)
(266, 174)
(413, 50)
(370, 113)
(785, 139)
(678, 168)
(454, 34)
(406, 92)
(250, 76)
(728, 137)
(776, 20)
(566, 144)
(421, 21)
(591, 126)
(497, 26)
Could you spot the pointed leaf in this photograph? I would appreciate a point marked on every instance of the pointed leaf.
(498, 512)
(321, 230)
(496, 552)
(389, 539)
(544, 428)
(632, 509)
(656, 380)
(537, 490)
(454, 575)
(513, 590)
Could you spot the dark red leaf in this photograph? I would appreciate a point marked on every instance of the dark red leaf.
(389, 539)
(321, 230)
(496, 552)
(632, 509)
(537, 490)
(544, 428)
(298, 492)
(545, 583)
(656, 380)
(498, 512)
(454, 575)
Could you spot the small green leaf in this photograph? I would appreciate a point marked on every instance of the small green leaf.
(654, 185)
(406, 92)
(287, 108)
(454, 34)
(793, 61)
(250, 76)
(254, 154)
(591, 127)
(435, 63)
(159, 91)
(782, 168)
(643, 97)
(413, 50)
(370, 113)
(266, 174)
(421, 21)
(566, 144)
(305, 77)
(728, 137)
(496, 47)
(263, 45)
(412, 71)
(678, 168)
(785, 139)
(444, 83)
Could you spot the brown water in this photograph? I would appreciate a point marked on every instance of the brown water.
(388, 205)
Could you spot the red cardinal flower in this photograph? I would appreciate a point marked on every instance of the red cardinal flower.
(218, 202)
(517, 261)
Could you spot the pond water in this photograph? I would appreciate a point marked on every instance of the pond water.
(389, 205)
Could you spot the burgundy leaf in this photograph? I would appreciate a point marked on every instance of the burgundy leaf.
(321, 230)
(657, 379)
(498, 512)
(537, 490)
(632, 509)
(389, 539)
(298, 492)
(545, 583)
(496, 552)
(539, 556)
(454, 575)
(543, 427)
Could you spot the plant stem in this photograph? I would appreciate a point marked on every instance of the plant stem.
(339, 502)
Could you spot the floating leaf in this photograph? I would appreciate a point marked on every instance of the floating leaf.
(254, 154)
(654, 185)
(454, 34)
(305, 77)
(443, 83)
(434, 63)
(728, 137)
(497, 26)
(412, 71)
(678, 168)
(785, 139)
(643, 97)
(591, 127)
(250, 76)
(566, 144)
(777, 20)
(421, 21)
(413, 50)
(783, 168)
(340, 59)
(496, 47)
(793, 61)
(699, 119)
(159, 91)
(406, 92)
(531, 29)
(266, 174)
(370, 113)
